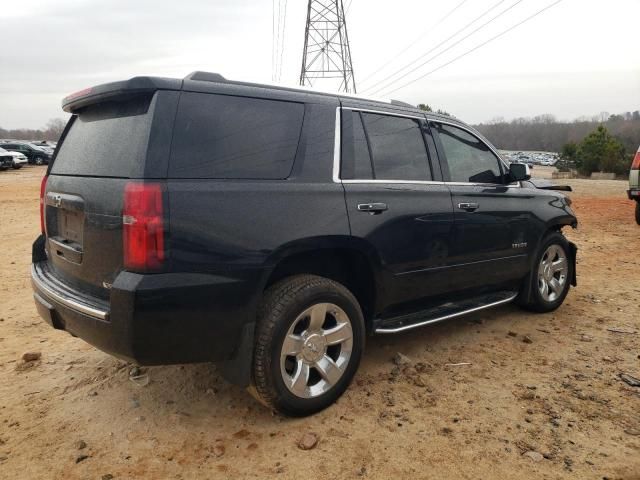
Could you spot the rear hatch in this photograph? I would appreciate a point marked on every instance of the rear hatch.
(111, 140)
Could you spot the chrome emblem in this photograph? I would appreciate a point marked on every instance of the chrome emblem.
(57, 200)
(519, 245)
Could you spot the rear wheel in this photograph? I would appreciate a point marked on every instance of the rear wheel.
(310, 337)
(552, 274)
(638, 212)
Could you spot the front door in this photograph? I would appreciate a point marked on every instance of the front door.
(396, 202)
(492, 235)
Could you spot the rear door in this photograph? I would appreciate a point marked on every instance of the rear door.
(396, 200)
(492, 236)
(106, 145)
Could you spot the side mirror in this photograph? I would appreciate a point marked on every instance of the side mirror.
(519, 171)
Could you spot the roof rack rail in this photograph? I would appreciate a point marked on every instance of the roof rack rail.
(400, 103)
(206, 77)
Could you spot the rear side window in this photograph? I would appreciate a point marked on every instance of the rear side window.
(107, 139)
(397, 147)
(469, 159)
(219, 136)
(356, 160)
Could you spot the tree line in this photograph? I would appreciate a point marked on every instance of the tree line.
(546, 133)
(51, 131)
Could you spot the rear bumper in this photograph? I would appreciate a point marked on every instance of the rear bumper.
(634, 194)
(152, 319)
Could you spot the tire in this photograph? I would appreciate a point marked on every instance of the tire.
(17, 166)
(311, 312)
(638, 212)
(38, 161)
(547, 295)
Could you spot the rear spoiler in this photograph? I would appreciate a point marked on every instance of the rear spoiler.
(106, 91)
(133, 86)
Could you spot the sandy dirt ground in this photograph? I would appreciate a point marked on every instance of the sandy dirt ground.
(541, 398)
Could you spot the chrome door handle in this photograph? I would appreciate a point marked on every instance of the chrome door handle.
(469, 207)
(372, 208)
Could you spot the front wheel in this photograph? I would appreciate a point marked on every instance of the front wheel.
(16, 166)
(552, 274)
(638, 212)
(39, 161)
(310, 337)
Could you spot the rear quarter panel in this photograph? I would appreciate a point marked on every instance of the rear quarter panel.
(237, 227)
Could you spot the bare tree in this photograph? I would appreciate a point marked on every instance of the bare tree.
(54, 128)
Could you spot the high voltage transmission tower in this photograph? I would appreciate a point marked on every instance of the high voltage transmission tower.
(326, 52)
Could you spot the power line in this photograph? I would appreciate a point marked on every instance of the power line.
(388, 84)
(477, 47)
(429, 30)
(284, 27)
(273, 39)
(348, 6)
(277, 40)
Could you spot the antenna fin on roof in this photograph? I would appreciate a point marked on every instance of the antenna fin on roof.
(206, 77)
(400, 103)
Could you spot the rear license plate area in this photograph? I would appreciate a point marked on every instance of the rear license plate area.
(70, 226)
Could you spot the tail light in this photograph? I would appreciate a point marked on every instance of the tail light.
(43, 188)
(143, 226)
(636, 161)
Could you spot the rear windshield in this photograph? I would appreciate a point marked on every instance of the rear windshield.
(106, 140)
(220, 136)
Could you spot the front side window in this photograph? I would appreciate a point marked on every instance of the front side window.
(468, 158)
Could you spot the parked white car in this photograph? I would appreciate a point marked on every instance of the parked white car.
(19, 159)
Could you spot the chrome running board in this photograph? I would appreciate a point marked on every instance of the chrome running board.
(442, 312)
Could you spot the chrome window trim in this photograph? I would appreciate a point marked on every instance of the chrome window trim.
(338, 145)
(380, 112)
(417, 182)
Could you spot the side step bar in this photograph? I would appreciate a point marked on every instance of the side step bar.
(443, 312)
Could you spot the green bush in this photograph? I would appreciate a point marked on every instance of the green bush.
(601, 152)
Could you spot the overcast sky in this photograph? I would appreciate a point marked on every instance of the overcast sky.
(580, 57)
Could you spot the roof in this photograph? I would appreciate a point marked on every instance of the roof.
(199, 78)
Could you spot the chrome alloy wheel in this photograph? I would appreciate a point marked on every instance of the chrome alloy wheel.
(552, 273)
(316, 350)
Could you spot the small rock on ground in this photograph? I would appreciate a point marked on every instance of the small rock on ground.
(400, 359)
(218, 449)
(308, 441)
(535, 456)
(629, 380)
(31, 356)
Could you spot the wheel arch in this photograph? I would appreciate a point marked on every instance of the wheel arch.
(554, 226)
(348, 260)
(359, 270)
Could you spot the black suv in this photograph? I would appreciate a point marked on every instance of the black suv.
(32, 152)
(271, 229)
